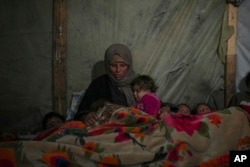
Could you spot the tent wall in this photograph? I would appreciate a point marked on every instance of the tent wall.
(174, 41)
(242, 47)
(25, 63)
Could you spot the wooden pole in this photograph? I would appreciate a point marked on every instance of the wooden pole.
(59, 56)
(230, 66)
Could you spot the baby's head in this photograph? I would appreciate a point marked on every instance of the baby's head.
(202, 107)
(142, 85)
(184, 108)
(144, 82)
(52, 119)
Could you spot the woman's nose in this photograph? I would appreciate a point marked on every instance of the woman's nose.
(118, 69)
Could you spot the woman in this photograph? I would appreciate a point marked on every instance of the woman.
(113, 87)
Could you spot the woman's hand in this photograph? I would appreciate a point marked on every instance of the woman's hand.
(92, 118)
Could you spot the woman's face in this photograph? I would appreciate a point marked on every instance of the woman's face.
(118, 68)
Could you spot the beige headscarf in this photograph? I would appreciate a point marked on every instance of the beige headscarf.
(123, 84)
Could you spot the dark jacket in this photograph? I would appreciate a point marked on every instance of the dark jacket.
(100, 89)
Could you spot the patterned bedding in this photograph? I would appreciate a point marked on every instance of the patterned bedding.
(132, 138)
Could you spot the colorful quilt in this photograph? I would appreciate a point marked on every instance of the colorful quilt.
(131, 138)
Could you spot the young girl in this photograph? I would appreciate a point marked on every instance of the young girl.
(144, 89)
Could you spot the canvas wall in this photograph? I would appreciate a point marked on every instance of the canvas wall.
(243, 49)
(25, 63)
(174, 41)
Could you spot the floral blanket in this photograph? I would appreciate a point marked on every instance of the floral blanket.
(132, 138)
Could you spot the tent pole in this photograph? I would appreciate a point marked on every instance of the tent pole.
(230, 65)
(59, 47)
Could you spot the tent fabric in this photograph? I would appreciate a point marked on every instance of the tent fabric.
(174, 41)
(242, 47)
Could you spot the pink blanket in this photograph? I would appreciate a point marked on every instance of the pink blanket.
(132, 138)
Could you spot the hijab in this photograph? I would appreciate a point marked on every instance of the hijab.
(123, 84)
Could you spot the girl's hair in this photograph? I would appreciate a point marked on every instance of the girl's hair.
(145, 82)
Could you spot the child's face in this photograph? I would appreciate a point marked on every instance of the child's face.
(53, 122)
(183, 109)
(138, 92)
(203, 108)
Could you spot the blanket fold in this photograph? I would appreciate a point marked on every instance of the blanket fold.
(132, 138)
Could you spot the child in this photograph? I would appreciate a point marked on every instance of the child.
(51, 122)
(144, 89)
(184, 108)
(202, 108)
(52, 119)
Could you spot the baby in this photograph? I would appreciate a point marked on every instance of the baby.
(184, 108)
(52, 119)
(144, 89)
(202, 108)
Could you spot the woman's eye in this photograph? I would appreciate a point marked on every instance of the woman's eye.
(123, 65)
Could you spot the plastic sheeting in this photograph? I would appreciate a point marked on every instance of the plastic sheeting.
(243, 47)
(174, 41)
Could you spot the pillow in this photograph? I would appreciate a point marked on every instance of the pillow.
(75, 101)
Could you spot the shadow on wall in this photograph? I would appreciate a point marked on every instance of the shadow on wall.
(242, 85)
(29, 124)
(98, 69)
